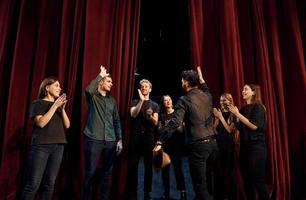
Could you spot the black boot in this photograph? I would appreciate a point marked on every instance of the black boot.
(166, 196)
(183, 195)
(147, 196)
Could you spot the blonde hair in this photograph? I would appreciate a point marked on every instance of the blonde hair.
(145, 81)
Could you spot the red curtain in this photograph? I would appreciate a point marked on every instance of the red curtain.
(236, 41)
(258, 41)
(68, 39)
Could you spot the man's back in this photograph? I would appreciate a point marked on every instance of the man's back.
(198, 114)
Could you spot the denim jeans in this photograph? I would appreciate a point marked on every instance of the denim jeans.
(44, 163)
(95, 150)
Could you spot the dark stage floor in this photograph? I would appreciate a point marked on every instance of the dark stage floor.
(157, 185)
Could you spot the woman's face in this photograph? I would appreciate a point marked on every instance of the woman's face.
(247, 93)
(54, 89)
(167, 102)
(224, 102)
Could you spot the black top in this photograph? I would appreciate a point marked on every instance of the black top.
(195, 109)
(256, 114)
(177, 138)
(103, 121)
(53, 132)
(141, 122)
(223, 135)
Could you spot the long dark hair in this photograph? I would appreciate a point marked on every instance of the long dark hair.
(257, 96)
(256, 99)
(42, 92)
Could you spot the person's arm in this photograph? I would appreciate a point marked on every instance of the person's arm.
(218, 114)
(117, 123)
(65, 117)
(202, 82)
(242, 118)
(118, 130)
(174, 123)
(92, 87)
(136, 109)
(42, 120)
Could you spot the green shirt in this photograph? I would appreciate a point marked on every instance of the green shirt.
(103, 118)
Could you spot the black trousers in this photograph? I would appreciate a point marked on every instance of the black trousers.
(253, 169)
(199, 155)
(174, 147)
(226, 185)
(141, 145)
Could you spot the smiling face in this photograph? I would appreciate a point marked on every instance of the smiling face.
(247, 93)
(145, 88)
(224, 102)
(167, 102)
(54, 89)
(106, 84)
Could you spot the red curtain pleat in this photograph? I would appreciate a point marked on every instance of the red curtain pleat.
(259, 42)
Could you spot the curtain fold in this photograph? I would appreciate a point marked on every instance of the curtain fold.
(260, 42)
(70, 40)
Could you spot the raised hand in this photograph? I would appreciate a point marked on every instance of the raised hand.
(141, 97)
(217, 113)
(103, 72)
(233, 109)
(201, 79)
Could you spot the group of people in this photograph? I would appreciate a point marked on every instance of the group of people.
(209, 134)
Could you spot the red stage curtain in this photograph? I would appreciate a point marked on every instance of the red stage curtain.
(258, 42)
(68, 39)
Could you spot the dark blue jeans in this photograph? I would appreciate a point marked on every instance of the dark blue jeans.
(44, 163)
(95, 150)
(199, 154)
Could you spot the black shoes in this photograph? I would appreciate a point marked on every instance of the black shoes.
(183, 195)
(147, 196)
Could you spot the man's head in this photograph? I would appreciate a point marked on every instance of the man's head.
(145, 87)
(106, 84)
(190, 79)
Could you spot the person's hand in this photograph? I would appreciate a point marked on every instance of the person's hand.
(201, 79)
(141, 97)
(217, 113)
(157, 148)
(103, 72)
(60, 101)
(119, 147)
(65, 101)
(233, 109)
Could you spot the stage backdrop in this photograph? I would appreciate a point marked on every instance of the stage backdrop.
(260, 42)
(69, 39)
(235, 41)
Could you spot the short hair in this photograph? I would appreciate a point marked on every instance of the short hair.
(191, 77)
(42, 92)
(145, 81)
